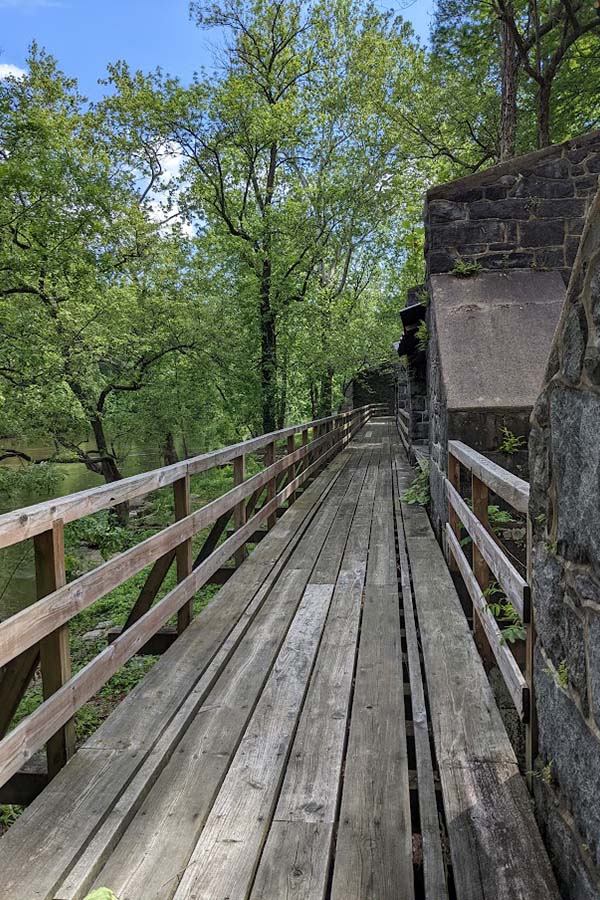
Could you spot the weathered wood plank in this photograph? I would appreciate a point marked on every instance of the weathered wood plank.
(373, 858)
(55, 655)
(306, 878)
(310, 791)
(162, 835)
(225, 857)
(131, 733)
(513, 677)
(434, 869)
(495, 846)
(31, 624)
(21, 524)
(503, 483)
(511, 582)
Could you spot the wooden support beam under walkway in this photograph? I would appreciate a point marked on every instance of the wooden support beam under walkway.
(291, 741)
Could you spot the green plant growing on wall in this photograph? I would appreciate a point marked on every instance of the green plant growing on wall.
(422, 335)
(511, 442)
(563, 674)
(464, 269)
(418, 492)
(504, 613)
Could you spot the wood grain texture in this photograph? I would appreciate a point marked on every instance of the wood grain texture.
(434, 868)
(86, 792)
(224, 860)
(496, 848)
(20, 524)
(514, 586)
(503, 483)
(373, 858)
(513, 677)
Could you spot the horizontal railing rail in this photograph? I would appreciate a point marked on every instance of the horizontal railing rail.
(492, 569)
(39, 633)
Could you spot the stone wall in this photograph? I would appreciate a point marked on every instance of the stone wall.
(376, 385)
(565, 512)
(526, 213)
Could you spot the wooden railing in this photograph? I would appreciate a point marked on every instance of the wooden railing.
(40, 632)
(491, 564)
(403, 422)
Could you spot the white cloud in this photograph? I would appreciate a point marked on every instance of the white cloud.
(7, 69)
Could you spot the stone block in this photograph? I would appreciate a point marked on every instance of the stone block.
(571, 248)
(554, 168)
(575, 419)
(549, 259)
(586, 185)
(499, 209)
(536, 187)
(440, 262)
(573, 343)
(542, 233)
(446, 211)
(496, 192)
(506, 260)
(463, 236)
(574, 871)
(593, 164)
(551, 209)
(573, 750)
(594, 657)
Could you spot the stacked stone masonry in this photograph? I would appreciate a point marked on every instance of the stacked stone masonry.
(526, 213)
(565, 511)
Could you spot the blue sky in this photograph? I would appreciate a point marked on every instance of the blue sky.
(84, 35)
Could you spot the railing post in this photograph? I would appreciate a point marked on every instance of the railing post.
(55, 657)
(531, 723)
(454, 479)
(239, 513)
(271, 484)
(183, 553)
(291, 472)
(480, 499)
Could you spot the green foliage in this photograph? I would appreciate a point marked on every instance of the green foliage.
(418, 492)
(464, 269)
(511, 443)
(563, 673)
(9, 813)
(505, 614)
(422, 335)
(499, 518)
(101, 893)
(42, 479)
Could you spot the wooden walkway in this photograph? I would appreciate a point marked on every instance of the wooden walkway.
(323, 729)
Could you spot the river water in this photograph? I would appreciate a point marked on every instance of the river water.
(17, 575)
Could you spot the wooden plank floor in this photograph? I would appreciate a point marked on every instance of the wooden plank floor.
(275, 750)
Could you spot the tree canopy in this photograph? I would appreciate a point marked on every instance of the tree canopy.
(190, 263)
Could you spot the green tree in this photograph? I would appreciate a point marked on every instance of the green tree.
(91, 298)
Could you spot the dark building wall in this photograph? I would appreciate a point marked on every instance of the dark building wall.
(565, 515)
(526, 213)
(373, 386)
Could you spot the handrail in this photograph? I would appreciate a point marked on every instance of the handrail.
(19, 524)
(42, 628)
(490, 562)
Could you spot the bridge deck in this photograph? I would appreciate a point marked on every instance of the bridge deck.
(281, 748)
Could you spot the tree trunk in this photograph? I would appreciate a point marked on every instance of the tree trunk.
(268, 356)
(327, 392)
(107, 465)
(543, 113)
(508, 117)
(169, 451)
